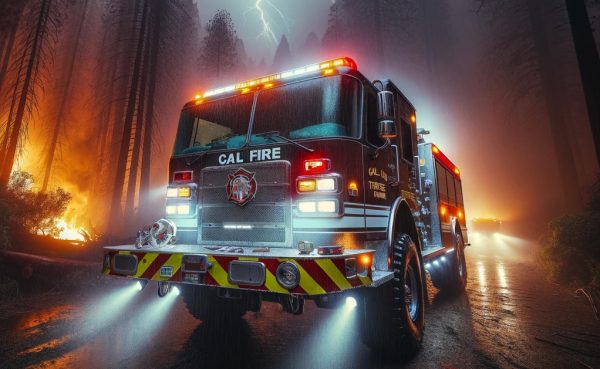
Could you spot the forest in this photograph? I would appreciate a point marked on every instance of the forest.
(90, 92)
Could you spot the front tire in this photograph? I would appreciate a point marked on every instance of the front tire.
(394, 312)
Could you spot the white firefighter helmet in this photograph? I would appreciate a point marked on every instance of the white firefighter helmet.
(162, 233)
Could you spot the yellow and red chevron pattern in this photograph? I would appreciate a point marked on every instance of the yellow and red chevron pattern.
(317, 276)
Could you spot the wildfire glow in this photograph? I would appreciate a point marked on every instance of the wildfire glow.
(70, 233)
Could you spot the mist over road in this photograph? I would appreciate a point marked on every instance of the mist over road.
(508, 317)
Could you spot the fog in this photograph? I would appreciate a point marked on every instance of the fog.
(485, 78)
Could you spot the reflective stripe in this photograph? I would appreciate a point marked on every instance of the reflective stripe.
(174, 262)
(334, 273)
(145, 263)
(354, 211)
(377, 222)
(219, 274)
(367, 205)
(272, 284)
(385, 213)
(365, 280)
(307, 282)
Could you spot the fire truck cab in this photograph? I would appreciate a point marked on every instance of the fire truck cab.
(308, 184)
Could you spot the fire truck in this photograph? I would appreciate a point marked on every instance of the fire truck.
(309, 184)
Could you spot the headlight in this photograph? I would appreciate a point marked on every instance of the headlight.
(184, 191)
(171, 209)
(324, 206)
(316, 184)
(288, 275)
(307, 206)
(183, 209)
(325, 184)
(178, 209)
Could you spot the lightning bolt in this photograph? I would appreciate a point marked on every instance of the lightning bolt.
(262, 9)
(267, 32)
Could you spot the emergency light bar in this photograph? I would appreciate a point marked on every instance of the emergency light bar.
(326, 67)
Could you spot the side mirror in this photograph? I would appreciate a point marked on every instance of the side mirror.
(386, 114)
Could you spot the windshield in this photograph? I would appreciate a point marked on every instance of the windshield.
(320, 107)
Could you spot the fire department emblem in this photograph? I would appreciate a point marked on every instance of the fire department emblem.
(241, 187)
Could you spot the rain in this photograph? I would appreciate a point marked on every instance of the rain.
(303, 182)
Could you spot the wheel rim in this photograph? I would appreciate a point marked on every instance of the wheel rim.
(411, 293)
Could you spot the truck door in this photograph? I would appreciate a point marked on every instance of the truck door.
(405, 144)
(380, 171)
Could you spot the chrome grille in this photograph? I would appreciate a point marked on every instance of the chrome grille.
(266, 220)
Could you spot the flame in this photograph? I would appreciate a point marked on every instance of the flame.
(69, 232)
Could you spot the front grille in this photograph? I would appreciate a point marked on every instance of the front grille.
(254, 214)
(264, 221)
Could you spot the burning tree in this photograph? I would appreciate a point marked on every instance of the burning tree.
(28, 211)
(36, 35)
(64, 87)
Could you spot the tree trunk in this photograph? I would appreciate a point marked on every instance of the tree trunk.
(135, 154)
(10, 42)
(13, 103)
(64, 97)
(147, 148)
(551, 88)
(116, 213)
(25, 92)
(589, 65)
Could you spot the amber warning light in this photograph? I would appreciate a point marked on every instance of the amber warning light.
(328, 67)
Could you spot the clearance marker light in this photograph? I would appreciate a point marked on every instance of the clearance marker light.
(443, 159)
(327, 68)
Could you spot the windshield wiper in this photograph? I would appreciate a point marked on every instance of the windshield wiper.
(190, 163)
(275, 134)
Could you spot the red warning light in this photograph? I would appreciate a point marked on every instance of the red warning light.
(317, 165)
(182, 176)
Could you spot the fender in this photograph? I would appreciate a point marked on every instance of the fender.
(456, 227)
(399, 212)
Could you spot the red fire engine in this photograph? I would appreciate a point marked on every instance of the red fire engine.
(307, 185)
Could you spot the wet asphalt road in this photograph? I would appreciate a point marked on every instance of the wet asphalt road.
(509, 317)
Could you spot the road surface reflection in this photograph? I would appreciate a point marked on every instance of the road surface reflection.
(508, 317)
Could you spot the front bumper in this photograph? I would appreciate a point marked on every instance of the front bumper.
(319, 274)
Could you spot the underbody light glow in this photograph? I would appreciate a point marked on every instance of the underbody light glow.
(350, 302)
